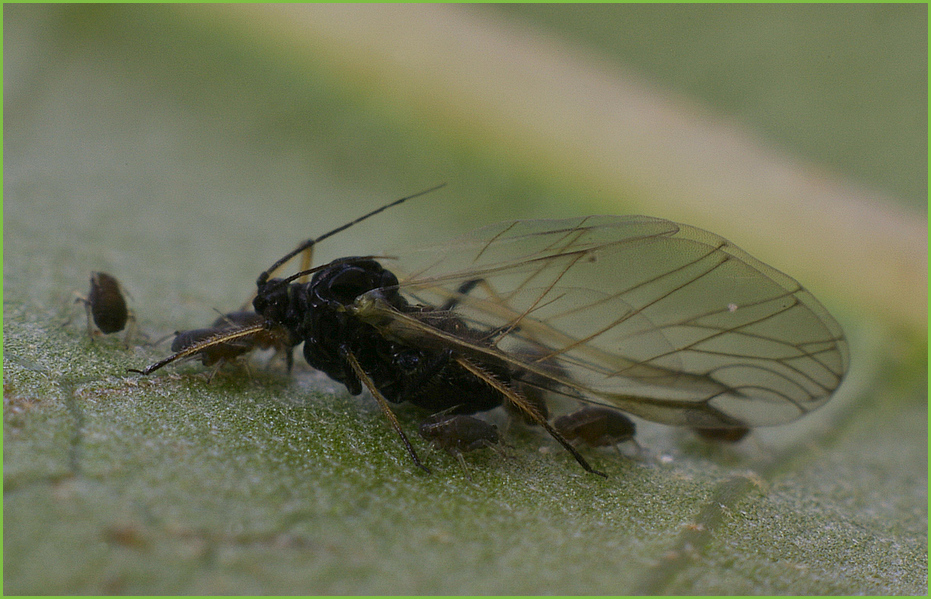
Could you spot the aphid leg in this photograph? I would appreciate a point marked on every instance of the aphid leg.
(131, 329)
(383, 404)
(307, 258)
(214, 370)
(90, 316)
(532, 408)
(528, 387)
(528, 409)
(462, 462)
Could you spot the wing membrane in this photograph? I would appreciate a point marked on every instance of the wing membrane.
(662, 320)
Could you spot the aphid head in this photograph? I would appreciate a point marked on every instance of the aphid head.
(271, 299)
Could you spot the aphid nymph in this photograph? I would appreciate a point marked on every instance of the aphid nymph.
(459, 434)
(106, 306)
(596, 426)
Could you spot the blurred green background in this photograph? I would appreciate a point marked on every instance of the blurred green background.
(184, 148)
(842, 86)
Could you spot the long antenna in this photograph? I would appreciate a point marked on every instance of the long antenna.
(311, 242)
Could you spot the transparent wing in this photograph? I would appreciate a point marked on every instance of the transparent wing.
(662, 320)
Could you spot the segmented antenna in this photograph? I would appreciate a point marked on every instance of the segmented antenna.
(311, 242)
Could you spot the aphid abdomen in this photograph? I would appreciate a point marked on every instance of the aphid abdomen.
(447, 388)
(427, 378)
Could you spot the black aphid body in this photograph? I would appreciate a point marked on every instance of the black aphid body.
(316, 313)
(106, 303)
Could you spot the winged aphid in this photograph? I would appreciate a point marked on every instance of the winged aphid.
(630, 313)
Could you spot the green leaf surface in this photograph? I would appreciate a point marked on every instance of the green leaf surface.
(184, 160)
